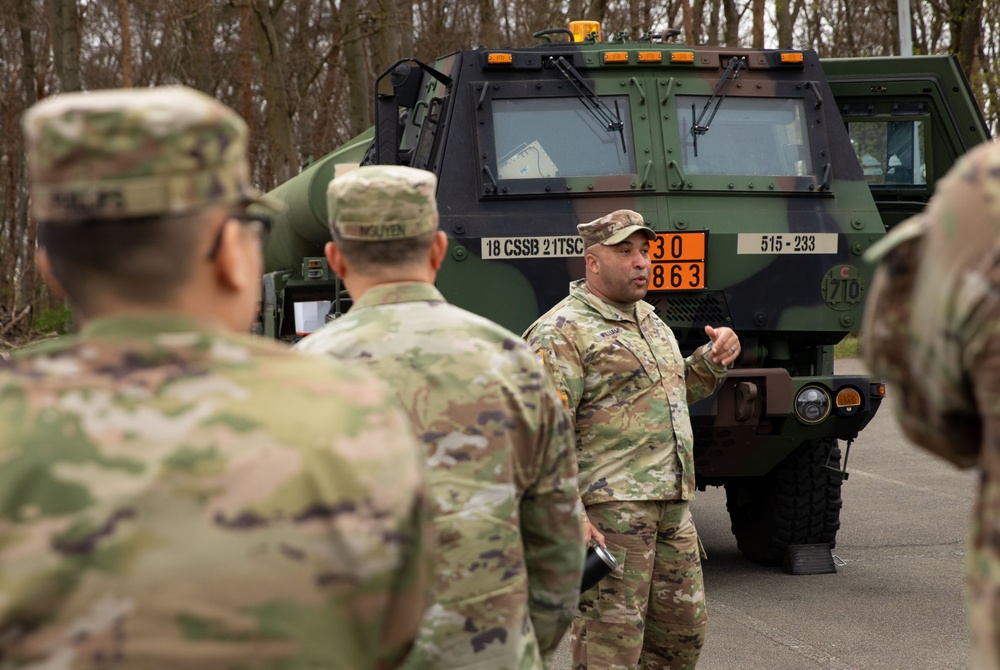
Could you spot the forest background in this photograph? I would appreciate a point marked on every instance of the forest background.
(301, 71)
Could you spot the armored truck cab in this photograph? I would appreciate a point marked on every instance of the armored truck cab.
(756, 176)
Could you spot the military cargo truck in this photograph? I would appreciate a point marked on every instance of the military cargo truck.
(766, 174)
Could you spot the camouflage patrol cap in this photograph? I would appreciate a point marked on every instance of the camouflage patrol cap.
(614, 228)
(382, 202)
(129, 153)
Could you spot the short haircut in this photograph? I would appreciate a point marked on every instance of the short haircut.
(144, 260)
(366, 256)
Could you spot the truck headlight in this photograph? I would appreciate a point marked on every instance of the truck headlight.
(812, 404)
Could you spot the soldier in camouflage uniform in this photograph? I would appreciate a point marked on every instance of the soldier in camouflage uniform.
(932, 329)
(498, 441)
(174, 494)
(620, 371)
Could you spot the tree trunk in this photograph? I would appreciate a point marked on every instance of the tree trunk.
(698, 21)
(55, 36)
(199, 40)
(246, 66)
(966, 32)
(275, 86)
(490, 34)
(712, 38)
(732, 37)
(356, 65)
(758, 24)
(599, 12)
(28, 284)
(633, 26)
(64, 20)
(406, 33)
(71, 45)
(27, 53)
(126, 31)
(783, 11)
(852, 45)
(384, 37)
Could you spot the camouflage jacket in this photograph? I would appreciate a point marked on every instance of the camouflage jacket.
(177, 497)
(500, 449)
(624, 379)
(932, 320)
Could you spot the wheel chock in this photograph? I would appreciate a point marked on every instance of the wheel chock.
(809, 559)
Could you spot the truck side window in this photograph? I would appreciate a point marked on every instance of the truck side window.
(748, 136)
(559, 137)
(891, 153)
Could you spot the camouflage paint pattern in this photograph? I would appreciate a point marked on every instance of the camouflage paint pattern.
(514, 244)
(938, 342)
(382, 202)
(499, 447)
(175, 497)
(649, 613)
(126, 153)
(628, 387)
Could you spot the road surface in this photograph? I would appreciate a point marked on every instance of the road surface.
(896, 600)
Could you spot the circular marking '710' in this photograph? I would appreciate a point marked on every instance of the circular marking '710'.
(843, 287)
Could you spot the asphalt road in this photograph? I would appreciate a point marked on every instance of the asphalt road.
(896, 600)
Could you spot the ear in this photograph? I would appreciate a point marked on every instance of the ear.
(48, 276)
(439, 248)
(335, 259)
(592, 261)
(231, 263)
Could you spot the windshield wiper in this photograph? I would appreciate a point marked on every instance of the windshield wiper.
(718, 95)
(591, 100)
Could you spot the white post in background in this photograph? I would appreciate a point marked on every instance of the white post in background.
(905, 39)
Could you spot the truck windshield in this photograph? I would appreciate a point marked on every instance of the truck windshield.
(559, 137)
(750, 136)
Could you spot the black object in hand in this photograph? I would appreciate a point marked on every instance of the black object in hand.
(598, 565)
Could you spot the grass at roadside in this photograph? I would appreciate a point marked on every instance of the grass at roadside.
(847, 347)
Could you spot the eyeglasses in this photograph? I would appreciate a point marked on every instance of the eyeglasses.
(259, 223)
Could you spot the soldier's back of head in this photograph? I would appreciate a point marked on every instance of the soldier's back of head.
(126, 185)
(498, 444)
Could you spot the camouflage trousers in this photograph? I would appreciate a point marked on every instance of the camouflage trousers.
(649, 613)
(982, 578)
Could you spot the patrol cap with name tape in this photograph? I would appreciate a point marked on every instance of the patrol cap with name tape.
(614, 228)
(378, 203)
(130, 153)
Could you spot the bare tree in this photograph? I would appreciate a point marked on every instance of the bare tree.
(784, 22)
(491, 28)
(276, 92)
(732, 16)
(126, 32)
(65, 36)
(198, 41)
(966, 31)
(356, 66)
(757, 39)
(301, 71)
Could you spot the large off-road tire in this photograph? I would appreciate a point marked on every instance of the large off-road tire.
(798, 502)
